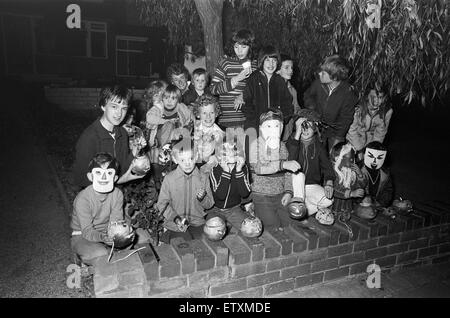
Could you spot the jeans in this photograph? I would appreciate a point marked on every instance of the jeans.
(270, 210)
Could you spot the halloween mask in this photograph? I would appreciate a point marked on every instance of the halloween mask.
(271, 132)
(374, 159)
(103, 179)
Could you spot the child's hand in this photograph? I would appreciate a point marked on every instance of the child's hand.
(101, 227)
(224, 165)
(107, 240)
(212, 161)
(286, 199)
(238, 102)
(240, 162)
(358, 193)
(329, 191)
(291, 165)
(356, 169)
(298, 124)
(240, 77)
(201, 193)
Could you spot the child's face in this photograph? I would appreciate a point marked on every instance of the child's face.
(200, 82)
(103, 178)
(270, 65)
(287, 69)
(170, 101)
(241, 50)
(179, 81)
(186, 161)
(208, 115)
(347, 160)
(158, 97)
(324, 77)
(375, 100)
(307, 130)
(115, 111)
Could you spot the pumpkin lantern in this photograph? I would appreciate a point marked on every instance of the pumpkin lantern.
(215, 229)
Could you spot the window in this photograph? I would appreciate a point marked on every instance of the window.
(132, 58)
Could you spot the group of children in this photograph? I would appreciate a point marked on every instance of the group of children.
(290, 162)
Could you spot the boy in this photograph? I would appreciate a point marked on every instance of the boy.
(178, 75)
(106, 135)
(185, 195)
(305, 147)
(200, 81)
(94, 208)
(230, 184)
(230, 76)
(332, 97)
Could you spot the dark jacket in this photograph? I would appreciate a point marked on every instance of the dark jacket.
(313, 160)
(259, 96)
(191, 95)
(229, 188)
(94, 139)
(336, 110)
(383, 189)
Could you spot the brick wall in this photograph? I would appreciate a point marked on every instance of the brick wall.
(72, 98)
(304, 254)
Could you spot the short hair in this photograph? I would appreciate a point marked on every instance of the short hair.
(244, 37)
(199, 71)
(266, 52)
(119, 93)
(184, 145)
(271, 114)
(376, 145)
(172, 90)
(153, 89)
(205, 100)
(102, 158)
(176, 69)
(340, 149)
(285, 57)
(336, 66)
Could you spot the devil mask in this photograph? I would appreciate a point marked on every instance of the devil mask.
(374, 158)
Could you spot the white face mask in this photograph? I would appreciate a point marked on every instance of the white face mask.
(103, 179)
(374, 159)
(271, 132)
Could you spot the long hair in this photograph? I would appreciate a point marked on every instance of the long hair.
(345, 174)
(383, 109)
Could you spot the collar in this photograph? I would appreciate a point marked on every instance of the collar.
(180, 173)
(103, 133)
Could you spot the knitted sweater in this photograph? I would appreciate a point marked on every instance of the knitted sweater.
(229, 187)
(91, 209)
(227, 68)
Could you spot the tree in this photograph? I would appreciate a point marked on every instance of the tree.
(408, 53)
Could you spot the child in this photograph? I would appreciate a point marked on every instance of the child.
(266, 89)
(94, 208)
(178, 75)
(306, 148)
(185, 195)
(332, 97)
(230, 76)
(286, 71)
(350, 182)
(200, 81)
(371, 120)
(230, 184)
(207, 134)
(271, 185)
(136, 136)
(106, 135)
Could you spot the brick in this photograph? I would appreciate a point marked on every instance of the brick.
(263, 279)
(420, 243)
(219, 274)
(256, 247)
(240, 253)
(165, 285)
(104, 268)
(383, 225)
(299, 243)
(320, 266)
(307, 233)
(337, 273)
(441, 259)
(372, 226)
(103, 284)
(439, 238)
(435, 219)
(219, 250)
(388, 240)
(444, 248)
(365, 245)
(229, 287)
(426, 218)
(169, 264)
(363, 230)
(360, 267)
(292, 272)
(439, 215)
(351, 259)
(204, 258)
(283, 240)
(271, 248)
(397, 248)
(345, 234)
(328, 235)
(406, 257)
(185, 293)
(130, 264)
(249, 293)
(410, 236)
(198, 279)
(340, 250)
(376, 253)
(307, 280)
(428, 251)
(279, 287)
(131, 279)
(387, 261)
(312, 256)
(151, 266)
(412, 222)
(239, 271)
(185, 253)
(282, 263)
(412, 265)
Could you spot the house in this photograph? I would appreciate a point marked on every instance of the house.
(110, 45)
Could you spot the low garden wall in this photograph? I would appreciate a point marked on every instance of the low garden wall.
(76, 98)
(305, 253)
